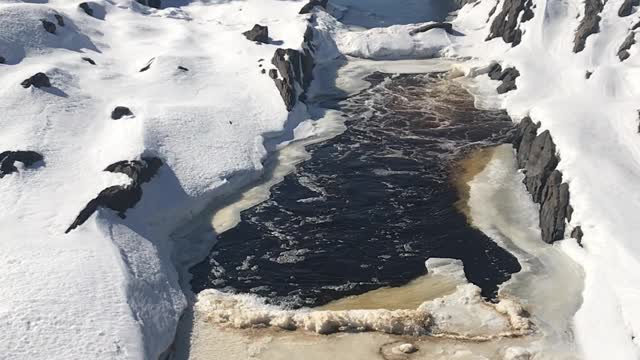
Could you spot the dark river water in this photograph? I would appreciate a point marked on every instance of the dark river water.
(371, 205)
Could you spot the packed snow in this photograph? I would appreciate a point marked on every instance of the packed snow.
(110, 288)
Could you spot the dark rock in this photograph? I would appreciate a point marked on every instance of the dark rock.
(541, 161)
(589, 25)
(182, 68)
(49, 26)
(120, 198)
(536, 155)
(627, 7)
(2, 60)
(577, 234)
(506, 25)
(140, 171)
(588, 74)
(623, 52)
(527, 131)
(448, 27)
(495, 71)
(9, 158)
(273, 73)
(259, 34)
(86, 8)
(148, 65)
(151, 3)
(38, 80)
(59, 19)
(507, 76)
(120, 111)
(635, 26)
(263, 71)
(553, 208)
(296, 70)
(311, 4)
(89, 60)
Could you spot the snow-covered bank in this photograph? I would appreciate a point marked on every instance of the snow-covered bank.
(588, 103)
(109, 289)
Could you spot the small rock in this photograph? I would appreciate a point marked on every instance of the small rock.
(273, 73)
(120, 112)
(38, 80)
(258, 34)
(9, 158)
(49, 26)
(495, 72)
(448, 27)
(405, 349)
(260, 60)
(89, 60)
(588, 74)
(59, 19)
(86, 8)
(146, 67)
(577, 234)
(182, 68)
(263, 71)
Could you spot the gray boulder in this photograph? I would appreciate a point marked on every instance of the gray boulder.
(9, 158)
(38, 80)
(590, 24)
(48, 26)
(259, 34)
(120, 111)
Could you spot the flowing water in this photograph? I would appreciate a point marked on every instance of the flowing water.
(371, 204)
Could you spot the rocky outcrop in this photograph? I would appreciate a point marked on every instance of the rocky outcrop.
(48, 26)
(448, 27)
(507, 23)
(86, 8)
(9, 158)
(295, 69)
(627, 7)
(258, 34)
(507, 76)
(38, 80)
(311, 4)
(59, 19)
(89, 60)
(120, 198)
(119, 112)
(623, 51)
(590, 24)
(536, 155)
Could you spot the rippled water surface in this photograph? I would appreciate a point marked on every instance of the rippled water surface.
(371, 205)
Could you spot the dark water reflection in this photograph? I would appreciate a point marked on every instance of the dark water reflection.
(371, 205)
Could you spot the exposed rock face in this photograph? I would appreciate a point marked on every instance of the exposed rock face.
(259, 34)
(120, 111)
(507, 76)
(38, 80)
(295, 69)
(89, 60)
(151, 3)
(506, 24)
(86, 8)
(9, 158)
(590, 24)
(48, 26)
(537, 156)
(120, 198)
(311, 4)
(623, 53)
(627, 7)
(59, 19)
(448, 27)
